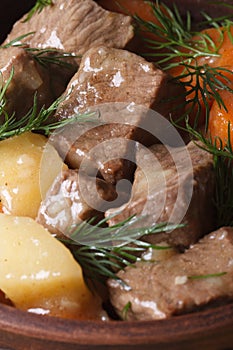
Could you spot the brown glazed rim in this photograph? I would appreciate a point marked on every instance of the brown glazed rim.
(172, 330)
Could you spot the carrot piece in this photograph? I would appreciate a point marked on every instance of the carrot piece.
(221, 39)
(220, 118)
(129, 7)
(218, 123)
(143, 10)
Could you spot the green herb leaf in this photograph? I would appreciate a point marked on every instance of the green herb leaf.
(223, 160)
(174, 37)
(34, 120)
(37, 8)
(210, 275)
(44, 57)
(203, 84)
(17, 42)
(178, 48)
(47, 57)
(125, 310)
(101, 251)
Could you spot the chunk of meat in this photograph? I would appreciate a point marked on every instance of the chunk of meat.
(29, 78)
(100, 149)
(114, 75)
(74, 198)
(117, 83)
(74, 26)
(173, 185)
(198, 278)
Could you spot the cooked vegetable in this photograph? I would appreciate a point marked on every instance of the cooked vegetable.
(200, 60)
(24, 172)
(221, 119)
(39, 274)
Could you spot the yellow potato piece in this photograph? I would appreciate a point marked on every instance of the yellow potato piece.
(29, 165)
(39, 274)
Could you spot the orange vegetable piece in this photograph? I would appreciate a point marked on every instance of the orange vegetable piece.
(129, 7)
(218, 123)
(220, 119)
(143, 10)
(221, 38)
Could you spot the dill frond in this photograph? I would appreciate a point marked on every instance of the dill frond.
(175, 37)
(34, 120)
(223, 168)
(101, 251)
(202, 84)
(17, 42)
(47, 57)
(37, 8)
(44, 57)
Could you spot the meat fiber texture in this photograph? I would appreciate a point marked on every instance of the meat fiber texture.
(114, 75)
(122, 86)
(74, 26)
(199, 278)
(72, 199)
(172, 185)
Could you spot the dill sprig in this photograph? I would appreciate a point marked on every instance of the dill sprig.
(3, 88)
(223, 168)
(44, 57)
(34, 120)
(17, 42)
(209, 275)
(175, 37)
(37, 8)
(222, 20)
(125, 310)
(202, 84)
(178, 46)
(101, 251)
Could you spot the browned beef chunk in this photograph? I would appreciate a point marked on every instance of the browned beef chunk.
(29, 78)
(74, 26)
(175, 186)
(172, 287)
(110, 76)
(114, 75)
(72, 199)
(98, 149)
(70, 27)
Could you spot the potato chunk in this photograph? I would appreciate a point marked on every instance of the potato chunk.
(28, 167)
(39, 274)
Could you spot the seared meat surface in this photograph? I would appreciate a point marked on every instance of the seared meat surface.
(175, 186)
(74, 26)
(114, 75)
(201, 276)
(69, 27)
(72, 199)
(29, 78)
(121, 85)
(101, 150)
